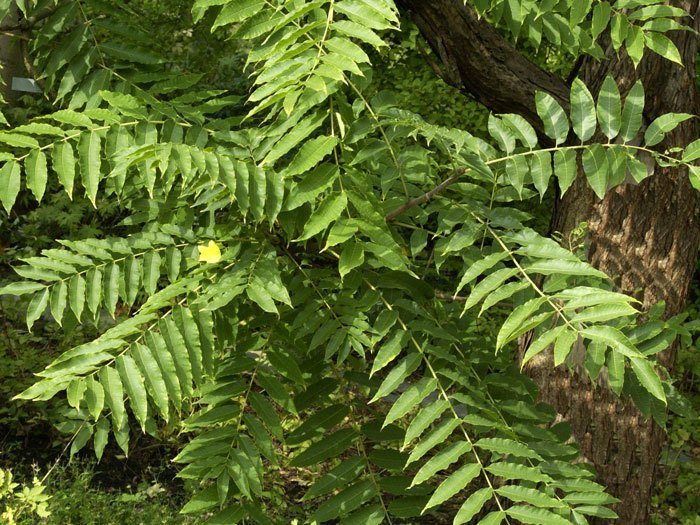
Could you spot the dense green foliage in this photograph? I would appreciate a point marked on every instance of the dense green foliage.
(269, 274)
(76, 501)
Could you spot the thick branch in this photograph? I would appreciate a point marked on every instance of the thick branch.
(480, 62)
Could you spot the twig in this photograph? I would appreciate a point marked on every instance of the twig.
(456, 174)
(444, 296)
(575, 70)
(436, 68)
(12, 34)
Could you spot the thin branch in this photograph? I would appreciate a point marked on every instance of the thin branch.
(445, 296)
(26, 60)
(451, 81)
(575, 70)
(456, 174)
(13, 34)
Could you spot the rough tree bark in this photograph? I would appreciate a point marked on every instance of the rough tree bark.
(645, 236)
(480, 62)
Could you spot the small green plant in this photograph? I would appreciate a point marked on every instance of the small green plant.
(77, 498)
(18, 501)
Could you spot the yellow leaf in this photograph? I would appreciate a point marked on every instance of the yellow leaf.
(209, 253)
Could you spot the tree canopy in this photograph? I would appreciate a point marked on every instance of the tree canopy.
(307, 275)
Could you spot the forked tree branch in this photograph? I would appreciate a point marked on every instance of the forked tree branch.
(483, 63)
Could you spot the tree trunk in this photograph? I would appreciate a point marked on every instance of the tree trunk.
(11, 56)
(645, 236)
